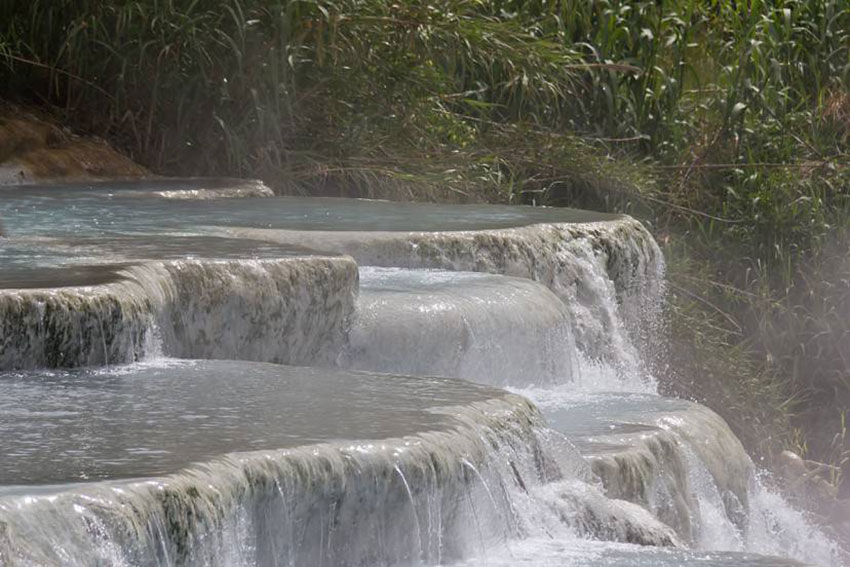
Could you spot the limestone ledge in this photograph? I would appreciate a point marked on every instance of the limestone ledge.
(310, 505)
(668, 460)
(35, 150)
(608, 273)
(289, 310)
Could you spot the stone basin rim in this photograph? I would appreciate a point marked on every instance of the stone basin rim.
(238, 459)
(153, 182)
(115, 272)
(123, 253)
(360, 237)
(247, 410)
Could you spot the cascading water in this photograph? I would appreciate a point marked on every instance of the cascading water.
(434, 470)
(237, 300)
(594, 267)
(282, 465)
(400, 489)
(426, 322)
(677, 460)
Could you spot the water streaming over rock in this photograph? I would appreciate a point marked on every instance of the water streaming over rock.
(409, 470)
(678, 462)
(609, 275)
(290, 466)
(490, 329)
(275, 307)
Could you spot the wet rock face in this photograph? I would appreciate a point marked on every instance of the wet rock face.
(292, 311)
(71, 328)
(653, 475)
(594, 514)
(676, 459)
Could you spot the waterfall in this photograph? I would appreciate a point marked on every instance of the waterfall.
(378, 454)
(609, 275)
(483, 473)
(678, 461)
(490, 329)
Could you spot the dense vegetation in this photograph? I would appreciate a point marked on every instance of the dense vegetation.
(724, 124)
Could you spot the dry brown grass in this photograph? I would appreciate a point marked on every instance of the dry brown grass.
(836, 111)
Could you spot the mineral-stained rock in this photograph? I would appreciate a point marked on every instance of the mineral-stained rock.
(34, 150)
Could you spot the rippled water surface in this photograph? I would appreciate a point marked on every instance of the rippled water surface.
(87, 261)
(584, 414)
(153, 419)
(105, 209)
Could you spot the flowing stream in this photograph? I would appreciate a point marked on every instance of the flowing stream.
(194, 372)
